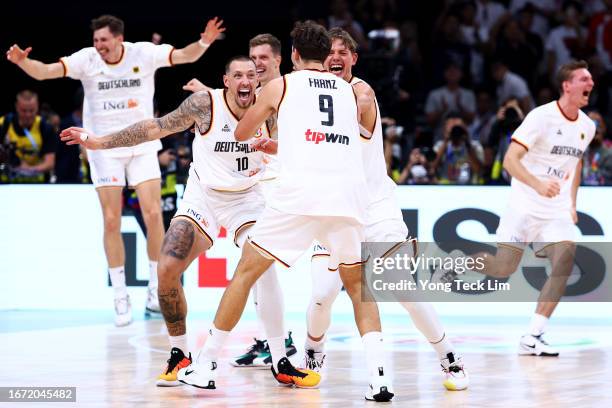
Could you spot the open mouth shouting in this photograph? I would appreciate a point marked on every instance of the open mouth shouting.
(244, 96)
(336, 68)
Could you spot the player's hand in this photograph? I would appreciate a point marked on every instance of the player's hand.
(166, 157)
(574, 214)
(213, 30)
(268, 146)
(76, 135)
(16, 55)
(548, 188)
(195, 86)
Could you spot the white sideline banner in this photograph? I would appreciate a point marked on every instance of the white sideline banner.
(51, 253)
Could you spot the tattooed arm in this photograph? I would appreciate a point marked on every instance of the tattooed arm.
(194, 110)
(271, 124)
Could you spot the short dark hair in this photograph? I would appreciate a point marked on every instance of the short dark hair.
(566, 71)
(311, 41)
(115, 25)
(236, 58)
(338, 33)
(269, 39)
(26, 95)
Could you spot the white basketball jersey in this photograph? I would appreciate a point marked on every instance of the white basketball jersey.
(220, 162)
(380, 185)
(319, 151)
(118, 95)
(555, 144)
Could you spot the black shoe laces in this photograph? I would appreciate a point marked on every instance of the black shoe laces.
(311, 361)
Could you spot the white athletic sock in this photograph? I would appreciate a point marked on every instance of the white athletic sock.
(317, 346)
(179, 342)
(117, 277)
(214, 344)
(426, 320)
(270, 307)
(152, 274)
(277, 350)
(325, 288)
(538, 324)
(261, 332)
(374, 352)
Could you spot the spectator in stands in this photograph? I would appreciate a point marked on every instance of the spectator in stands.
(451, 98)
(544, 94)
(511, 86)
(488, 13)
(568, 41)
(520, 53)
(600, 35)
(597, 160)
(458, 159)
(417, 170)
(534, 15)
(340, 16)
(375, 14)
(449, 46)
(485, 115)
(30, 139)
(68, 158)
(509, 116)
(474, 36)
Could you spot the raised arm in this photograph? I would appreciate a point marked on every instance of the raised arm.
(34, 68)
(266, 105)
(195, 50)
(195, 110)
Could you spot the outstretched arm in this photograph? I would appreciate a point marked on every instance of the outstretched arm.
(195, 50)
(266, 105)
(195, 110)
(34, 68)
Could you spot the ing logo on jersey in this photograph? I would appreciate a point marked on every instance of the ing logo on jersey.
(259, 133)
(135, 70)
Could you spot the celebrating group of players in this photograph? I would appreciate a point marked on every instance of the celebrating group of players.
(283, 162)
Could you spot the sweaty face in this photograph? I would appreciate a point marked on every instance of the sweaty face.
(266, 63)
(340, 60)
(26, 111)
(107, 45)
(241, 81)
(579, 87)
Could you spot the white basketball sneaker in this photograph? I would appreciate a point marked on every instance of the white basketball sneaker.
(531, 345)
(380, 388)
(314, 360)
(123, 311)
(152, 305)
(201, 375)
(456, 377)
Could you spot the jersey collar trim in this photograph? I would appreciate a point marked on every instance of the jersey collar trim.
(228, 107)
(120, 57)
(564, 115)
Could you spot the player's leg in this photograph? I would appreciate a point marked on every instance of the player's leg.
(183, 243)
(268, 243)
(143, 172)
(326, 286)
(110, 200)
(561, 256)
(343, 237)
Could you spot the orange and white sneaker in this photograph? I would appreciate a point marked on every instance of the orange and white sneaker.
(289, 375)
(176, 361)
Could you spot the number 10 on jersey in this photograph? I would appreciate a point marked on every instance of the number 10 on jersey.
(243, 163)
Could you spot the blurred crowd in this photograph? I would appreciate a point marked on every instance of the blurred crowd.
(450, 95)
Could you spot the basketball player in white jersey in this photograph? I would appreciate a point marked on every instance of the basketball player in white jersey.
(320, 156)
(118, 80)
(384, 223)
(545, 163)
(222, 189)
(265, 51)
